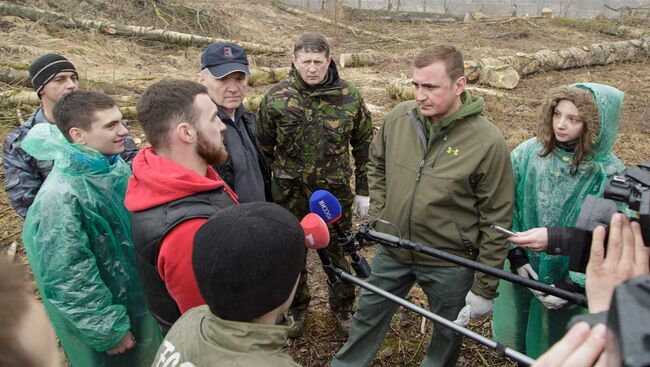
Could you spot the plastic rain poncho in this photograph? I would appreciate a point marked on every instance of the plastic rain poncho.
(547, 195)
(77, 236)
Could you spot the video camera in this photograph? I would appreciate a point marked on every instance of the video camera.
(632, 188)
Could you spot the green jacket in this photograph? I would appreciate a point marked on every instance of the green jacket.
(199, 338)
(77, 236)
(305, 132)
(447, 195)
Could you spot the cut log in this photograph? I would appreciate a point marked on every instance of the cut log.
(263, 75)
(117, 29)
(402, 89)
(567, 58)
(356, 31)
(29, 98)
(20, 77)
(503, 77)
(252, 103)
(354, 60)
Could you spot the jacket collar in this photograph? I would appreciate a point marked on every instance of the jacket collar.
(243, 337)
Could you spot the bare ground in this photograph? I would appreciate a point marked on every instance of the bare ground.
(137, 63)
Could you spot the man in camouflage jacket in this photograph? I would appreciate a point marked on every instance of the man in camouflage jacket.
(52, 77)
(307, 124)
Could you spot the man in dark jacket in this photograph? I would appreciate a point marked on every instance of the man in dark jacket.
(52, 77)
(174, 190)
(224, 72)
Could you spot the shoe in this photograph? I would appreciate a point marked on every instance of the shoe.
(296, 320)
(343, 321)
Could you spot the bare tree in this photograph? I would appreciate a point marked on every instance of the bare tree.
(565, 6)
(424, 6)
(389, 7)
(399, 2)
(359, 4)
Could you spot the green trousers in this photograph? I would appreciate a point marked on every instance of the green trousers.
(521, 321)
(445, 287)
(294, 196)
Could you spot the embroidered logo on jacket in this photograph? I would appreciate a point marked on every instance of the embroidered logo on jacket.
(452, 150)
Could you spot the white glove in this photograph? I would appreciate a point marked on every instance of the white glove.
(549, 301)
(527, 271)
(475, 308)
(362, 204)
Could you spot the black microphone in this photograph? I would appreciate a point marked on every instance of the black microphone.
(326, 206)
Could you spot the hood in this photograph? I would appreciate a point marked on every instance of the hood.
(157, 180)
(600, 109)
(46, 142)
(609, 101)
(332, 79)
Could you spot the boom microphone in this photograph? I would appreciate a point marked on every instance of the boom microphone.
(317, 236)
(323, 203)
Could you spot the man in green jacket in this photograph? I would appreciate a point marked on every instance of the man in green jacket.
(440, 172)
(307, 124)
(247, 260)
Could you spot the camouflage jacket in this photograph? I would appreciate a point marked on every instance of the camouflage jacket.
(25, 174)
(305, 132)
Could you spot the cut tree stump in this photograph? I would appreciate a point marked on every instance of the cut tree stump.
(354, 60)
(116, 29)
(263, 75)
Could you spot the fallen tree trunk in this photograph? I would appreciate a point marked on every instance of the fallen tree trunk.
(402, 89)
(20, 77)
(263, 75)
(356, 31)
(561, 59)
(604, 27)
(29, 98)
(252, 103)
(127, 30)
(356, 59)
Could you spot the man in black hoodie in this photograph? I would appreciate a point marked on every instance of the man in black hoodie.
(307, 124)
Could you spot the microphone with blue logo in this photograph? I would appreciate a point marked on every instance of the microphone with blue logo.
(326, 206)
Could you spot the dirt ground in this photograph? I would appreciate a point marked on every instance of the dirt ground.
(136, 63)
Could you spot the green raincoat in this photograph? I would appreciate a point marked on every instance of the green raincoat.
(547, 195)
(77, 236)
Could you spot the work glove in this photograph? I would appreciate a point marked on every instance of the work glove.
(476, 307)
(362, 204)
(527, 271)
(549, 301)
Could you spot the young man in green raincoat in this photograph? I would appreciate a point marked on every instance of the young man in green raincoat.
(77, 236)
(570, 158)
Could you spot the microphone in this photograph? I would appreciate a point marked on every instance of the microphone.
(317, 237)
(328, 208)
(316, 234)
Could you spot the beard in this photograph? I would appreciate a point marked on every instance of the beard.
(210, 151)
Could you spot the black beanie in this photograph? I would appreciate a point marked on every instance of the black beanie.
(43, 69)
(247, 258)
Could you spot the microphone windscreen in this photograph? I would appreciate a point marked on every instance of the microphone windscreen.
(325, 205)
(317, 236)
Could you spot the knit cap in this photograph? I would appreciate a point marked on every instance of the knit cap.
(43, 69)
(247, 259)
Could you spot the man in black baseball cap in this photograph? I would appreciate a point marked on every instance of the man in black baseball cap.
(52, 77)
(247, 261)
(224, 72)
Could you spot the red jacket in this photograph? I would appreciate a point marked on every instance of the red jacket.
(156, 181)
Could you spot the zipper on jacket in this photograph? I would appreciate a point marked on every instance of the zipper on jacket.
(417, 179)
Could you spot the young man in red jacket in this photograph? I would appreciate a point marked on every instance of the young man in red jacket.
(174, 190)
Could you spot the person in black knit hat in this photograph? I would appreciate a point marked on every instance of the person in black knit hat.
(52, 77)
(247, 261)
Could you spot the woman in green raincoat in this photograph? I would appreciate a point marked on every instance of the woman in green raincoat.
(570, 158)
(77, 235)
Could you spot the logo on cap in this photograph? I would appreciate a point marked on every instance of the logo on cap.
(227, 51)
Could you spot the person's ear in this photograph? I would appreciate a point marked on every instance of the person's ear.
(185, 132)
(459, 85)
(77, 135)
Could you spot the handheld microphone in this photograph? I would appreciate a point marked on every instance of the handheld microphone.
(317, 237)
(326, 206)
(316, 234)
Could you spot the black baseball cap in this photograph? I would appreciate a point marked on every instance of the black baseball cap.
(223, 58)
